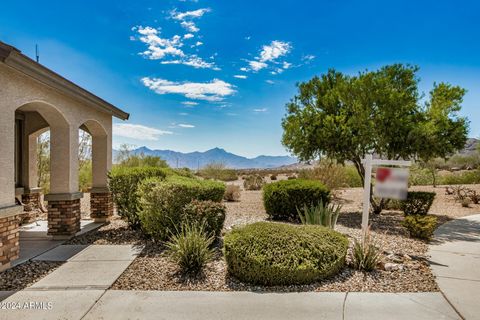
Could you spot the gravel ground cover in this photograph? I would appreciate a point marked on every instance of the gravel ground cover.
(26, 274)
(405, 260)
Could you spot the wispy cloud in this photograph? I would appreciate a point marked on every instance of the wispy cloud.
(186, 18)
(190, 103)
(269, 55)
(270, 81)
(183, 114)
(137, 131)
(185, 125)
(215, 90)
(240, 76)
(260, 110)
(159, 48)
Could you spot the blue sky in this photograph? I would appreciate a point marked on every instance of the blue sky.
(201, 74)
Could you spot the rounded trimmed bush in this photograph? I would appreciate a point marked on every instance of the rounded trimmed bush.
(270, 253)
(281, 199)
(163, 202)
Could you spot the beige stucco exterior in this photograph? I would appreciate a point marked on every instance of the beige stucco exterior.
(42, 100)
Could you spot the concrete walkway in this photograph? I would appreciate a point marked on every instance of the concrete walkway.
(34, 239)
(191, 305)
(455, 259)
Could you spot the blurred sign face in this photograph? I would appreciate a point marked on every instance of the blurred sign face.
(391, 183)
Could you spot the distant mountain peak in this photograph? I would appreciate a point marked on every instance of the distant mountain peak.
(196, 160)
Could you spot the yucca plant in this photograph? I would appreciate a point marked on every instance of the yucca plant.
(321, 214)
(366, 255)
(190, 248)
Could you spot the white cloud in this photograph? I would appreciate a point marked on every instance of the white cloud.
(163, 48)
(189, 14)
(275, 50)
(260, 110)
(286, 65)
(308, 58)
(248, 37)
(159, 47)
(183, 114)
(257, 65)
(185, 125)
(189, 26)
(240, 76)
(269, 54)
(188, 36)
(269, 81)
(190, 103)
(193, 61)
(186, 17)
(137, 131)
(215, 90)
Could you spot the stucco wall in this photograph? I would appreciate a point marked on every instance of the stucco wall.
(64, 116)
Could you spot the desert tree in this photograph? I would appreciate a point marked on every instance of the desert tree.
(345, 117)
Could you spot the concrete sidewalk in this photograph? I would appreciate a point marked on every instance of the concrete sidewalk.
(455, 261)
(113, 304)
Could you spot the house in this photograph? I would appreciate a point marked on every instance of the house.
(34, 99)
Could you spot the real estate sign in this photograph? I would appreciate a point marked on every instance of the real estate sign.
(391, 183)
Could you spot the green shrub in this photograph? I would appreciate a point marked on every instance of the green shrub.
(163, 200)
(282, 198)
(465, 177)
(217, 171)
(330, 173)
(232, 193)
(421, 227)
(271, 253)
(365, 254)
(253, 182)
(210, 214)
(190, 248)
(353, 178)
(418, 202)
(123, 183)
(321, 214)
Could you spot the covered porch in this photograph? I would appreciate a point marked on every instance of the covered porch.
(35, 100)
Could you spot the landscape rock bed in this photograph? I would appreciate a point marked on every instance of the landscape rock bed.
(26, 274)
(405, 258)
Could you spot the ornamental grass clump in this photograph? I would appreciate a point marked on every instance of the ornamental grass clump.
(271, 253)
(365, 253)
(232, 193)
(321, 214)
(190, 248)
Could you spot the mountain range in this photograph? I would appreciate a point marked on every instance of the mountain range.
(195, 160)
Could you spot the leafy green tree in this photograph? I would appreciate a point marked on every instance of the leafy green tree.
(345, 117)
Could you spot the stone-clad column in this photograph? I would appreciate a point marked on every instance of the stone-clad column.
(64, 198)
(101, 204)
(9, 212)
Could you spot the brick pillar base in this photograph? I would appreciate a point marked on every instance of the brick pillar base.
(63, 218)
(9, 235)
(31, 208)
(101, 206)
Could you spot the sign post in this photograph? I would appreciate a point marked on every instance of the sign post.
(391, 183)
